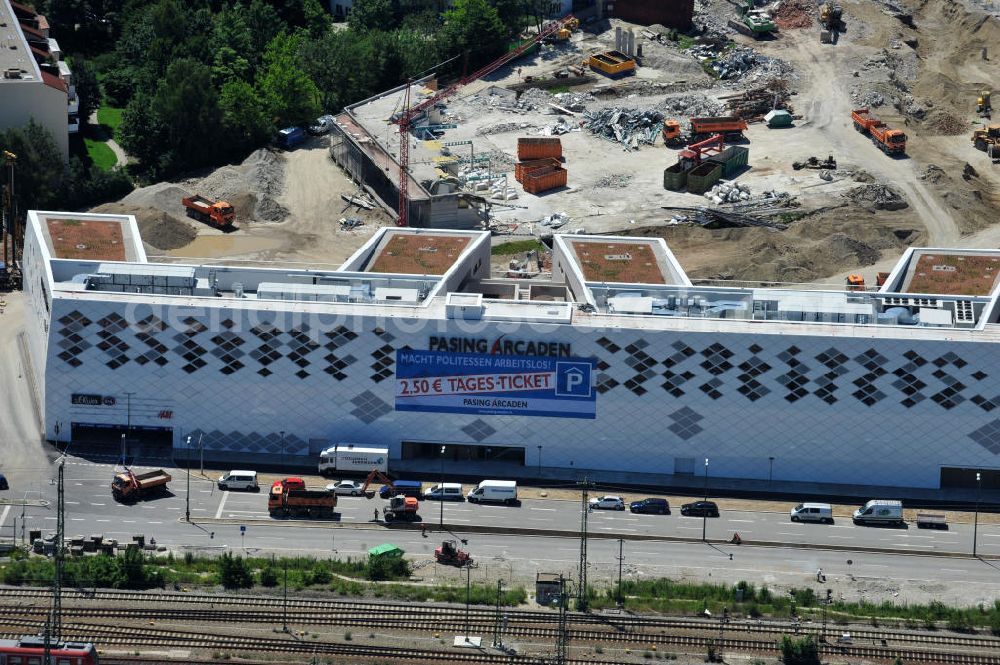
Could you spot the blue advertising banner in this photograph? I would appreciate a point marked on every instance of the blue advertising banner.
(436, 381)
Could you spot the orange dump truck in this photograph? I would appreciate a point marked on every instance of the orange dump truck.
(730, 126)
(890, 141)
(216, 213)
(284, 501)
(127, 486)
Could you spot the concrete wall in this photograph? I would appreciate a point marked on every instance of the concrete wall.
(826, 408)
(38, 290)
(23, 100)
(670, 13)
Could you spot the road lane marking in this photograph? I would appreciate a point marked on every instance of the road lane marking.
(222, 504)
(103, 520)
(76, 519)
(749, 521)
(72, 503)
(786, 533)
(3, 516)
(843, 537)
(98, 504)
(546, 509)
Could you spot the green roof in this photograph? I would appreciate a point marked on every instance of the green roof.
(385, 549)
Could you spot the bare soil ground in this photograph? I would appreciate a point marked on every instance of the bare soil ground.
(922, 78)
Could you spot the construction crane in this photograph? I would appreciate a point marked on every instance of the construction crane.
(406, 117)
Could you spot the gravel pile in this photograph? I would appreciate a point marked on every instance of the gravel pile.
(505, 127)
(614, 181)
(262, 174)
(793, 14)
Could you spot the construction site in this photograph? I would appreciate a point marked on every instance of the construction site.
(785, 142)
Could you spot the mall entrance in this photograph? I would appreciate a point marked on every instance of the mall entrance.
(462, 452)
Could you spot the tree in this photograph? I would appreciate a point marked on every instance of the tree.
(40, 167)
(291, 96)
(234, 572)
(143, 134)
(511, 14)
(473, 26)
(799, 652)
(244, 114)
(187, 105)
(87, 88)
(369, 15)
(268, 576)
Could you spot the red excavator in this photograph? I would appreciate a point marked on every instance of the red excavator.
(449, 555)
(693, 155)
(375, 475)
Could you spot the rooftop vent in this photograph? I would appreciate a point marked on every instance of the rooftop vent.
(12, 73)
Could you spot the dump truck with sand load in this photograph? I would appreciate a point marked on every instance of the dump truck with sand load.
(219, 214)
(888, 140)
(128, 486)
(284, 501)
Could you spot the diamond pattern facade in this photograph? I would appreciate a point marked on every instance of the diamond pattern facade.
(819, 405)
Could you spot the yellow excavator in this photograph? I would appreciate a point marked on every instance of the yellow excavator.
(983, 106)
(987, 139)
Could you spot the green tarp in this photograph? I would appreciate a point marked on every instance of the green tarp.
(385, 549)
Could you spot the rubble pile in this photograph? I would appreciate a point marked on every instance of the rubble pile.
(878, 196)
(728, 193)
(614, 181)
(733, 64)
(534, 99)
(561, 126)
(555, 220)
(692, 106)
(866, 98)
(793, 14)
(573, 101)
(630, 127)
(505, 127)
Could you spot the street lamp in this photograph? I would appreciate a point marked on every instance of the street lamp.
(187, 499)
(704, 513)
(975, 523)
(770, 469)
(441, 491)
(539, 461)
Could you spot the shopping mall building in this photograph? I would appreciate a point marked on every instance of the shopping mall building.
(614, 361)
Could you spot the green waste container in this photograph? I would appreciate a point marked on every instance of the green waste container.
(701, 178)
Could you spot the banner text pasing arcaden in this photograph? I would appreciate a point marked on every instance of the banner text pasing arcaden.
(441, 382)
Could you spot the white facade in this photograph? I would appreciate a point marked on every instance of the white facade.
(29, 93)
(814, 401)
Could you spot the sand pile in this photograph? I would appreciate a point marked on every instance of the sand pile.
(157, 228)
(793, 14)
(261, 175)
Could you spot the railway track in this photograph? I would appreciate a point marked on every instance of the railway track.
(129, 637)
(453, 619)
(594, 628)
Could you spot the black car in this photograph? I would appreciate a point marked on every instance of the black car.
(3, 482)
(700, 509)
(654, 506)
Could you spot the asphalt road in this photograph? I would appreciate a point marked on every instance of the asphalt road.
(91, 509)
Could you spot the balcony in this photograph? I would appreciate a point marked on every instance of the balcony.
(73, 102)
(74, 124)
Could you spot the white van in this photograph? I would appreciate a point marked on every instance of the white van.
(812, 512)
(444, 492)
(239, 480)
(880, 511)
(496, 491)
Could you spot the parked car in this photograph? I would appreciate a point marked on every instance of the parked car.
(812, 512)
(444, 492)
(608, 502)
(239, 480)
(346, 487)
(700, 509)
(654, 506)
(3, 482)
(323, 124)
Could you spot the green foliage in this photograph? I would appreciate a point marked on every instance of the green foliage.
(234, 572)
(188, 104)
(143, 135)
(803, 651)
(244, 114)
(516, 247)
(87, 89)
(119, 85)
(369, 15)
(289, 94)
(40, 170)
(110, 117)
(387, 568)
(268, 576)
(473, 26)
(100, 154)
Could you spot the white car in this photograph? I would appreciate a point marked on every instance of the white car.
(608, 503)
(346, 487)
